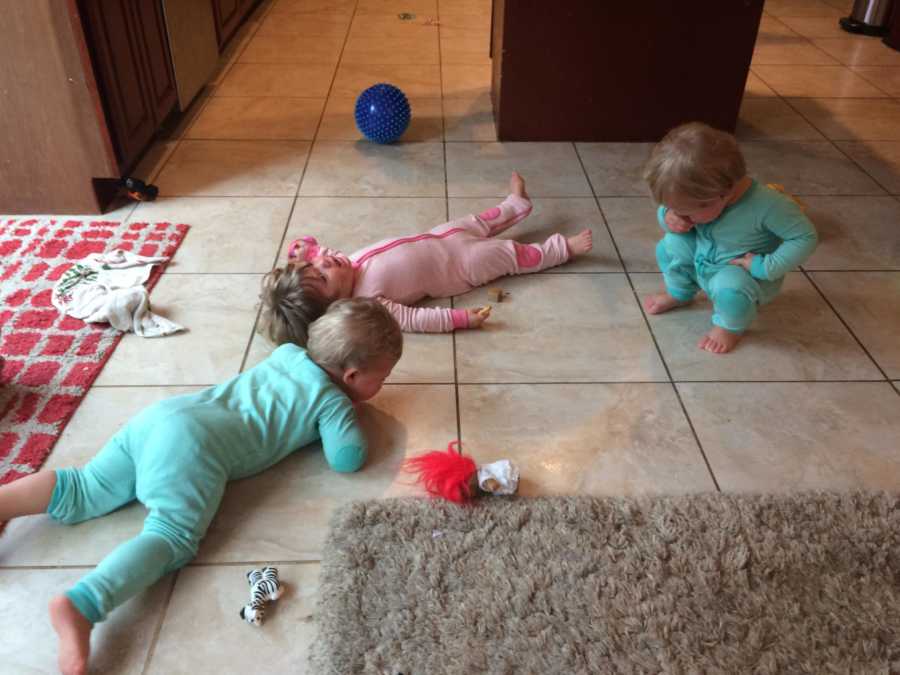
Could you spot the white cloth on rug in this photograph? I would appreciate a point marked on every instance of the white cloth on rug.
(110, 287)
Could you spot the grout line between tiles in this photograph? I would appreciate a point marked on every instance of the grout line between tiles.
(659, 352)
(845, 324)
(151, 650)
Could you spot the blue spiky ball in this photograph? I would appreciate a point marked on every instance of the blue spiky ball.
(382, 113)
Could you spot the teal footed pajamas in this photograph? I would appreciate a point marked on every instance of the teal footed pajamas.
(763, 221)
(176, 457)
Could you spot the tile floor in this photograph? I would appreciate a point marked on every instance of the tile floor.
(569, 378)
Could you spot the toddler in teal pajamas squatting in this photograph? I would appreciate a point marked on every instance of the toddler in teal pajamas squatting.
(724, 233)
(176, 456)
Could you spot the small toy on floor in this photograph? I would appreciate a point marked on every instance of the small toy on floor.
(138, 190)
(497, 294)
(455, 476)
(264, 587)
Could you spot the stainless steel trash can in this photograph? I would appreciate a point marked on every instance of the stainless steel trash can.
(868, 17)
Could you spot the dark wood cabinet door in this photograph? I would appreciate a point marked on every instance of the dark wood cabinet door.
(130, 52)
(158, 62)
(228, 14)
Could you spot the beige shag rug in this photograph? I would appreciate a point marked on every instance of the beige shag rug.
(698, 584)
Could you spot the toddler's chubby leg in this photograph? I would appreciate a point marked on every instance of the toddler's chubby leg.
(27, 496)
(491, 222)
(675, 257)
(735, 296)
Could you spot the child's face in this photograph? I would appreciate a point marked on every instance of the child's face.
(699, 213)
(332, 276)
(361, 384)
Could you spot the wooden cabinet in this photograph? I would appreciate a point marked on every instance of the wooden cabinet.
(127, 43)
(584, 70)
(228, 15)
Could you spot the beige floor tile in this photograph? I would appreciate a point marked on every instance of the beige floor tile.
(469, 119)
(234, 168)
(870, 304)
(350, 224)
(277, 79)
(804, 8)
(822, 81)
(465, 80)
(29, 646)
(594, 439)
(293, 49)
(282, 514)
(236, 118)
(206, 602)
(756, 87)
(880, 159)
(815, 26)
(886, 78)
(228, 234)
(807, 168)
(218, 311)
(559, 328)
(483, 169)
(859, 51)
(772, 119)
(306, 24)
(38, 540)
(798, 436)
(465, 45)
(795, 337)
(383, 39)
(635, 229)
(312, 8)
(789, 52)
(852, 119)
(567, 217)
(154, 160)
(472, 19)
(773, 30)
(364, 169)
(177, 126)
(855, 233)
(422, 9)
(339, 123)
(415, 80)
(615, 169)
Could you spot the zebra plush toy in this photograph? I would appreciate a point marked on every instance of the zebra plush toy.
(264, 587)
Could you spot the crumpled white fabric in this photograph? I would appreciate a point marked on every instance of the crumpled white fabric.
(503, 474)
(115, 295)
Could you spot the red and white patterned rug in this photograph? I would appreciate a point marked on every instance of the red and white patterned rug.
(50, 360)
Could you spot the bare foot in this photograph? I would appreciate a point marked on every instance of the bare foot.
(74, 632)
(581, 243)
(662, 302)
(719, 341)
(517, 185)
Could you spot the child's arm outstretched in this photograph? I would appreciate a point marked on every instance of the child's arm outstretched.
(342, 439)
(798, 240)
(434, 319)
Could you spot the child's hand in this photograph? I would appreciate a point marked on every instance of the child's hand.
(303, 249)
(677, 224)
(744, 261)
(478, 316)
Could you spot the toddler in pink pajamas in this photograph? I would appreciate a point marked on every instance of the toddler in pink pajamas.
(449, 259)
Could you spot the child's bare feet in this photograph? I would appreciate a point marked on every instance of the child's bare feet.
(662, 302)
(719, 341)
(74, 632)
(517, 185)
(581, 243)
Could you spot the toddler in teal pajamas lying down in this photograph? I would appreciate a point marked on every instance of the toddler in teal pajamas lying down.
(725, 233)
(176, 456)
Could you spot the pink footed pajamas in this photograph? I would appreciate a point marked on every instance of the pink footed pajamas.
(449, 259)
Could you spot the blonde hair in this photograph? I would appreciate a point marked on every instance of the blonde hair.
(354, 333)
(290, 304)
(694, 162)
